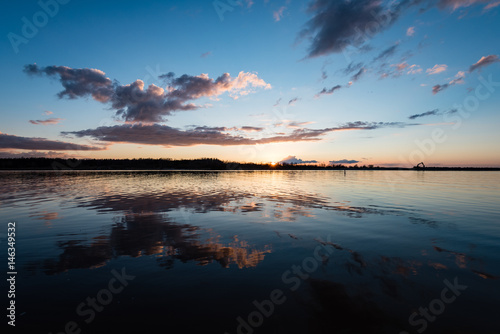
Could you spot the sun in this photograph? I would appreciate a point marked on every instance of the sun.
(273, 163)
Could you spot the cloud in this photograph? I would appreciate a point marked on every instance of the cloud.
(386, 53)
(361, 125)
(414, 69)
(156, 134)
(296, 125)
(36, 154)
(225, 129)
(325, 91)
(427, 113)
(336, 25)
(136, 103)
(436, 69)
(396, 70)
(352, 67)
(292, 101)
(292, 159)
(343, 161)
(491, 5)
(33, 143)
(484, 61)
(79, 82)
(455, 4)
(187, 87)
(433, 112)
(206, 54)
(47, 112)
(459, 79)
(251, 129)
(438, 88)
(49, 121)
(410, 31)
(278, 15)
(358, 74)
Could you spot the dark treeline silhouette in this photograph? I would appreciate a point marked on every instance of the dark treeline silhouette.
(153, 164)
(192, 164)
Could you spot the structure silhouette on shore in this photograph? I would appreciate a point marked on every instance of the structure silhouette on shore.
(420, 165)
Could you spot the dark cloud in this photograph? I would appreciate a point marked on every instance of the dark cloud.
(360, 125)
(210, 128)
(36, 154)
(133, 103)
(484, 61)
(338, 24)
(344, 161)
(136, 103)
(434, 112)
(225, 129)
(427, 113)
(33, 143)
(325, 91)
(188, 87)
(49, 121)
(251, 128)
(292, 101)
(292, 159)
(352, 67)
(386, 53)
(358, 74)
(438, 88)
(459, 79)
(79, 82)
(156, 134)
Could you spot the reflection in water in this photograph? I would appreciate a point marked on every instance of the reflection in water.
(390, 252)
(138, 235)
(47, 216)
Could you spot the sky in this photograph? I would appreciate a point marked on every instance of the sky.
(387, 83)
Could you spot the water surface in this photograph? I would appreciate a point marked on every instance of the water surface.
(256, 251)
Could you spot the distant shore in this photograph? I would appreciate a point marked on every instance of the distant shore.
(14, 164)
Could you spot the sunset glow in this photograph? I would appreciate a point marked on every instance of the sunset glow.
(378, 92)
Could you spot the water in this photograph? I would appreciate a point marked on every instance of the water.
(255, 251)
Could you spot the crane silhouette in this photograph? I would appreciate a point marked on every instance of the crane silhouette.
(420, 165)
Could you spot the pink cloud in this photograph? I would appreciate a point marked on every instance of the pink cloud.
(491, 5)
(484, 61)
(410, 31)
(279, 13)
(50, 121)
(455, 4)
(414, 69)
(437, 69)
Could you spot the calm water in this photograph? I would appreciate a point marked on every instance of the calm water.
(255, 252)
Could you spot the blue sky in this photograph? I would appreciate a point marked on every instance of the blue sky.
(369, 82)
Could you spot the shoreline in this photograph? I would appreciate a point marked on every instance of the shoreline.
(203, 164)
